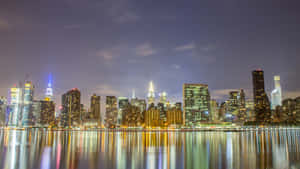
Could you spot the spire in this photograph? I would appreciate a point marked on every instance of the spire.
(133, 94)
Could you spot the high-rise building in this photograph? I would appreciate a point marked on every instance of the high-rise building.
(297, 100)
(178, 105)
(242, 106)
(123, 104)
(288, 111)
(95, 109)
(151, 94)
(152, 117)
(140, 103)
(3, 107)
(111, 112)
(47, 113)
(71, 109)
(27, 114)
(261, 101)
(276, 95)
(214, 110)
(163, 98)
(196, 107)
(49, 90)
(131, 116)
(15, 106)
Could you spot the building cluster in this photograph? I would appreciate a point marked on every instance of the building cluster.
(20, 109)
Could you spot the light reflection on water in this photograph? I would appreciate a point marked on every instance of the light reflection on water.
(131, 150)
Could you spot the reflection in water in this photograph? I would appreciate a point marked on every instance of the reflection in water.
(132, 150)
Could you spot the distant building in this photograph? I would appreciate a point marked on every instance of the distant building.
(174, 117)
(276, 95)
(123, 104)
(178, 105)
(196, 107)
(14, 106)
(297, 107)
(3, 108)
(111, 112)
(140, 103)
(71, 109)
(214, 111)
(47, 113)
(49, 90)
(95, 109)
(289, 110)
(151, 94)
(131, 116)
(163, 98)
(261, 101)
(152, 117)
(27, 114)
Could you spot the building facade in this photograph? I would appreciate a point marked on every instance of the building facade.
(196, 107)
(276, 95)
(71, 109)
(111, 112)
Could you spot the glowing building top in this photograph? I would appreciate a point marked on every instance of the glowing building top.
(151, 94)
(49, 90)
(276, 95)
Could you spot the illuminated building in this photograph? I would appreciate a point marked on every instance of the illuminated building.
(151, 94)
(71, 108)
(36, 113)
(15, 107)
(95, 113)
(232, 106)
(152, 117)
(27, 115)
(261, 101)
(174, 117)
(214, 110)
(288, 111)
(131, 116)
(140, 103)
(3, 107)
(196, 99)
(123, 103)
(47, 113)
(178, 105)
(242, 106)
(250, 114)
(49, 90)
(297, 107)
(163, 98)
(163, 116)
(111, 112)
(276, 96)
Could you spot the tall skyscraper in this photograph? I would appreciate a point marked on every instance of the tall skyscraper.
(71, 109)
(163, 98)
(111, 112)
(196, 107)
(3, 104)
(15, 106)
(214, 110)
(96, 109)
(123, 104)
(261, 101)
(47, 113)
(151, 94)
(276, 95)
(49, 90)
(27, 114)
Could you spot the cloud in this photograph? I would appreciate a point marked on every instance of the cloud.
(4, 24)
(186, 47)
(176, 66)
(107, 90)
(121, 11)
(145, 50)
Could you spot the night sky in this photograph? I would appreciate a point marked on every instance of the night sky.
(112, 46)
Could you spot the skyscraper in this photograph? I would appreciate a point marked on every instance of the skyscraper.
(49, 90)
(111, 112)
(96, 109)
(163, 98)
(3, 104)
(276, 96)
(196, 107)
(151, 94)
(71, 108)
(15, 106)
(27, 115)
(123, 104)
(47, 113)
(261, 101)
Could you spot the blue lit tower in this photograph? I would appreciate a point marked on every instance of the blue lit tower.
(49, 90)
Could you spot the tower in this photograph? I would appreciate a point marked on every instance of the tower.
(261, 101)
(27, 114)
(96, 108)
(14, 106)
(71, 108)
(49, 90)
(276, 95)
(151, 94)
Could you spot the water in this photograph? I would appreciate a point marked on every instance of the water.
(129, 150)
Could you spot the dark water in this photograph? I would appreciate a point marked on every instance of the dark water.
(129, 150)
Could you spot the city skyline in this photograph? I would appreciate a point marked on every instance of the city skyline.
(107, 44)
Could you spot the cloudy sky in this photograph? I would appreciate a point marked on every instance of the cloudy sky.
(112, 46)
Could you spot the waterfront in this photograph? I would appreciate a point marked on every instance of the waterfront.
(44, 149)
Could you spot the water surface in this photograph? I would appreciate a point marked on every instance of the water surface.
(35, 149)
